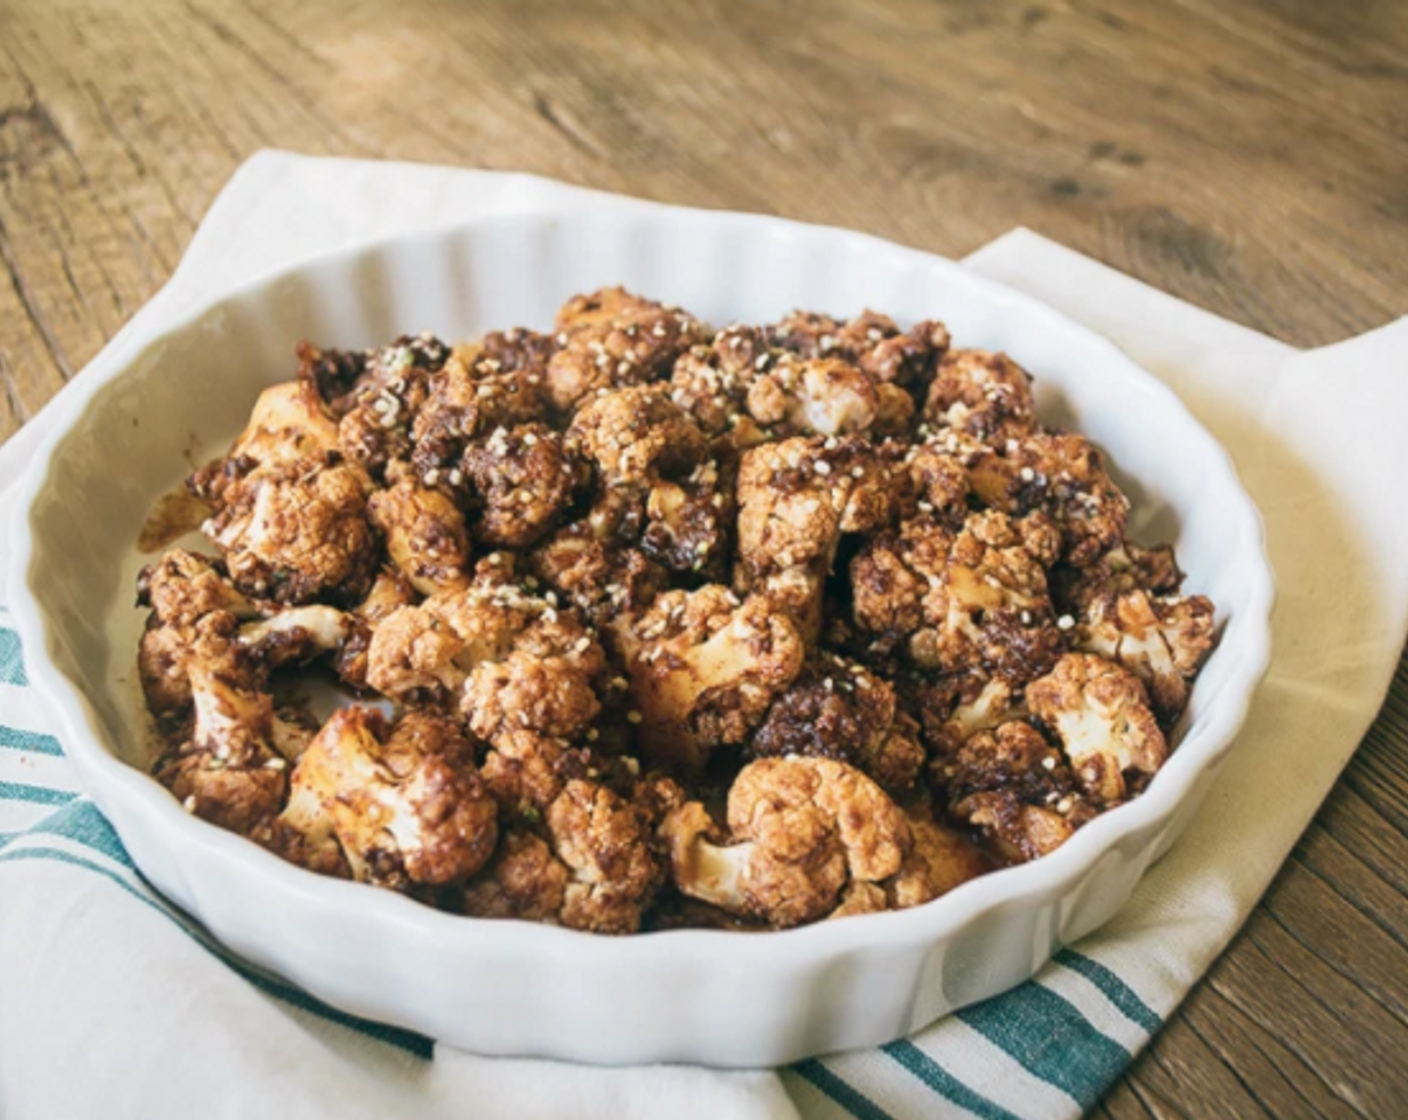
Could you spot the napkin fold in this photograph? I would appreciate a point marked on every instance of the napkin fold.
(98, 975)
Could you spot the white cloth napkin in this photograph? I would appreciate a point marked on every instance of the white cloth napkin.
(110, 1008)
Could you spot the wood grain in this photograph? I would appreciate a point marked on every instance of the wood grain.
(1249, 157)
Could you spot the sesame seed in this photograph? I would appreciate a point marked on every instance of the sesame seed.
(619, 683)
(831, 443)
(189, 804)
(857, 472)
(633, 716)
(550, 615)
(275, 764)
(456, 476)
(828, 684)
(531, 583)
(496, 558)
(1049, 762)
(1064, 805)
(1065, 622)
(529, 439)
(583, 644)
(823, 468)
(593, 735)
(432, 476)
(1026, 618)
(562, 339)
(1028, 475)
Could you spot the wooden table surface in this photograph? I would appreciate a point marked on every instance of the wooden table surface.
(1249, 157)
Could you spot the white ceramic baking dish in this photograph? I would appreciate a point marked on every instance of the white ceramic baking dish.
(137, 426)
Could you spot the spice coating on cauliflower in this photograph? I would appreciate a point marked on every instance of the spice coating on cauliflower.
(800, 829)
(1101, 714)
(703, 668)
(403, 802)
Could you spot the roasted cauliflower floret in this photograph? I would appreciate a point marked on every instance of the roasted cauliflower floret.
(1063, 475)
(472, 395)
(795, 501)
(403, 802)
(839, 709)
(229, 771)
(545, 682)
(525, 880)
(390, 591)
(604, 843)
(377, 415)
(958, 603)
(181, 588)
(983, 394)
(1016, 791)
(711, 383)
(704, 669)
(526, 770)
(523, 481)
(638, 435)
(940, 483)
(287, 425)
(1162, 641)
(799, 831)
(433, 646)
(688, 523)
(826, 396)
(872, 341)
(599, 577)
(298, 531)
(1126, 568)
(425, 533)
(611, 339)
(940, 858)
(1101, 714)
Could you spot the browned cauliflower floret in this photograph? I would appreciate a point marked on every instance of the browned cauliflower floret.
(524, 880)
(1063, 475)
(838, 709)
(389, 592)
(688, 524)
(800, 830)
(711, 382)
(1016, 790)
(1126, 568)
(905, 358)
(638, 435)
(599, 577)
(826, 396)
(1161, 640)
(229, 771)
(546, 682)
(478, 390)
(185, 590)
(983, 394)
(940, 859)
(605, 845)
(940, 483)
(287, 425)
(611, 339)
(425, 536)
(958, 603)
(795, 501)
(403, 803)
(704, 669)
(1101, 714)
(434, 646)
(872, 341)
(181, 588)
(376, 416)
(526, 770)
(298, 531)
(523, 481)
